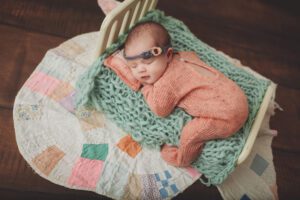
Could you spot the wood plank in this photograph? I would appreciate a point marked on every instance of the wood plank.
(65, 18)
(21, 51)
(261, 35)
(9, 194)
(287, 166)
(287, 121)
(265, 34)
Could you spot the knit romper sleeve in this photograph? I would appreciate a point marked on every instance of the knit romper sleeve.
(160, 98)
(165, 94)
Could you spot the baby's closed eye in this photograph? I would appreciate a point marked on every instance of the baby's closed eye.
(147, 61)
(143, 61)
(132, 64)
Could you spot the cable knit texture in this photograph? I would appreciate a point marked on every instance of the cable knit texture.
(101, 88)
(218, 105)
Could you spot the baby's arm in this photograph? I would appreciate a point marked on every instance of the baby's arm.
(161, 100)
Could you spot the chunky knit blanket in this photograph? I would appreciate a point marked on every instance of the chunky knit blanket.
(102, 89)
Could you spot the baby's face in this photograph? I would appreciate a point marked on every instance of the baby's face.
(147, 71)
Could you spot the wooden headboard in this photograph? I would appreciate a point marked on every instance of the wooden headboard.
(119, 20)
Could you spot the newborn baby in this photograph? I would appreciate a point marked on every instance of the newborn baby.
(218, 106)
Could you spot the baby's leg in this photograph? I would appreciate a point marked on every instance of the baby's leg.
(192, 139)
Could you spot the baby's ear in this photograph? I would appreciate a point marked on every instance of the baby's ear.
(118, 64)
(170, 54)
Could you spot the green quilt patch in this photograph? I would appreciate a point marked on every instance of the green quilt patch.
(95, 151)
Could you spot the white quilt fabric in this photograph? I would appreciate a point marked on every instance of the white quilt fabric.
(82, 149)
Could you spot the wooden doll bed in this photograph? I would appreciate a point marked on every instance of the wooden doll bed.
(119, 20)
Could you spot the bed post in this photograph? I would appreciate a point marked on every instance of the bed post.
(119, 20)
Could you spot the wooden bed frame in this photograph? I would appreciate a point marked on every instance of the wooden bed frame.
(120, 19)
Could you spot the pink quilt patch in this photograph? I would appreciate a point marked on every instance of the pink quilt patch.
(193, 172)
(86, 173)
(42, 83)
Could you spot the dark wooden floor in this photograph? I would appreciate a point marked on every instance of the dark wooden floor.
(264, 34)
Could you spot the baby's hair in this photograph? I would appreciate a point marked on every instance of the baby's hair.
(156, 30)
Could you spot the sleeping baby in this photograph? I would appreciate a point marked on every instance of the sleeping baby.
(168, 80)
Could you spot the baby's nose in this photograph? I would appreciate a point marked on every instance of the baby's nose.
(141, 68)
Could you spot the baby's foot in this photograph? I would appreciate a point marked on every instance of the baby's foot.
(172, 156)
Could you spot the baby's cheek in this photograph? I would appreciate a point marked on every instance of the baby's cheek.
(134, 73)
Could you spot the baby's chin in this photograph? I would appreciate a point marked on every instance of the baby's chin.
(146, 80)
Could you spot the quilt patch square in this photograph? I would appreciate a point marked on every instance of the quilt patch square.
(42, 83)
(162, 178)
(86, 173)
(150, 188)
(167, 174)
(70, 49)
(168, 190)
(90, 119)
(129, 146)
(163, 193)
(174, 188)
(64, 94)
(194, 173)
(259, 165)
(165, 185)
(61, 91)
(157, 177)
(134, 187)
(114, 179)
(95, 151)
(30, 112)
(48, 159)
(68, 102)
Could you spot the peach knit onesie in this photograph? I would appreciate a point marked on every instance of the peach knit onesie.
(218, 106)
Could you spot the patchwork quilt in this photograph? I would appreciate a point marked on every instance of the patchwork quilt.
(83, 149)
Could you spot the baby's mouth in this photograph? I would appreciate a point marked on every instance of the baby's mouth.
(145, 77)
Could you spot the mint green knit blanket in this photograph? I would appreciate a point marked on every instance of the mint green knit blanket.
(102, 89)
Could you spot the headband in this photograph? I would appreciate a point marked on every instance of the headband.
(154, 51)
